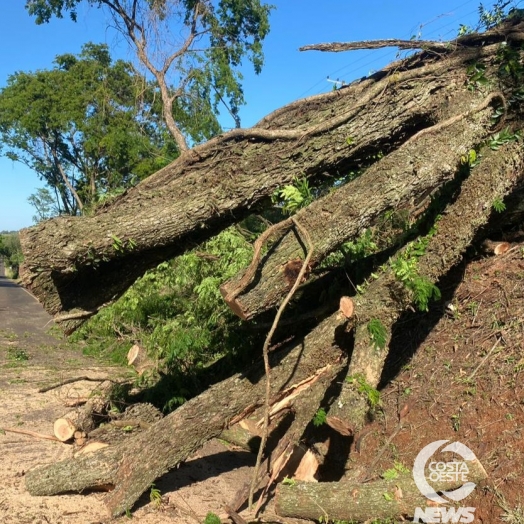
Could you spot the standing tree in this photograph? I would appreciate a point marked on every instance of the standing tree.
(193, 49)
(87, 127)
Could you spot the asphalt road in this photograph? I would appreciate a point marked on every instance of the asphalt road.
(20, 312)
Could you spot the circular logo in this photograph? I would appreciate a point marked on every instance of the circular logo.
(455, 471)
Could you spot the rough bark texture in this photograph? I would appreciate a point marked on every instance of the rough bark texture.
(423, 116)
(356, 502)
(217, 183)
(171, 440)
(405, 178)
(386, 298)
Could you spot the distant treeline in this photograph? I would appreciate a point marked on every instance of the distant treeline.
(11, 252)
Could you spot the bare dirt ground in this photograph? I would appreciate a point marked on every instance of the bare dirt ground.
(459, 369)
(30, 358)
(461, 374)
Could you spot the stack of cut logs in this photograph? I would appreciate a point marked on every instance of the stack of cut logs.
(83, 424)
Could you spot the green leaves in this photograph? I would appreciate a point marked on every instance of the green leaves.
(503, 137)
(291, 198)
(377, 333)
(476, 77)
(198, 75)
(320, 417)
(363, 386)
(86, 127)
(11, 251)
(177, 312)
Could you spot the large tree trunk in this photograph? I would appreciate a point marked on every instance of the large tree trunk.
(130, 468)
(79, 264)
(424, 115)
(386, 297)
(404, 178)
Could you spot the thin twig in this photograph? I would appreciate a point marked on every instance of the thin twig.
(265, 353)
(30, 433)
(70, 381)
(481, 363)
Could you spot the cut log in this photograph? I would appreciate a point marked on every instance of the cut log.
(219, 182)
(346, 307)
(80, 438)
(64, 429)
(138, 358)
(415, 168)
(82, 419)
(491, 247)
(356, 502)
(172, 439)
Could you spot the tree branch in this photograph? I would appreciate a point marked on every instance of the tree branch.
(336, 47)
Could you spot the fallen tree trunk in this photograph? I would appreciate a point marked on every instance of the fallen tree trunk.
(304, 407)
(133, 466)
(414, 171)
(75, 265)
(386, 298)
(356, 502)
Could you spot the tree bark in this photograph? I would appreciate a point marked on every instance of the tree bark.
(356, 502)
(386, 298)
(74, 265)
(406, 177)
(173, 439)
(491, 37)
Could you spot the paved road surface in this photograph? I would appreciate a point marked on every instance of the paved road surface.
(20, 312)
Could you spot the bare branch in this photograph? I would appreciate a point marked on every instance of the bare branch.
(336, 47)
(186, 45)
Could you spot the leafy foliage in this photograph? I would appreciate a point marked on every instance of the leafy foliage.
(155, 496)
(372, 395)
(192, 49)
(498, 205)
(489, 18)
(503, 137)
(320, 417)
(87, 127)
(211, 518)
(177, 313)
(11, 252)
(393, 473)
(405, 268)
(295, 196)
(377, 333)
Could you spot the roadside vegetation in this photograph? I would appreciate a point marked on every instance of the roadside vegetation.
(11, 252)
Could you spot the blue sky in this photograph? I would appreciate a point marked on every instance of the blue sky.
(287, 75)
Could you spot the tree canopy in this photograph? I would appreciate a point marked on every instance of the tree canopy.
(192, 48)
(87, 127)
